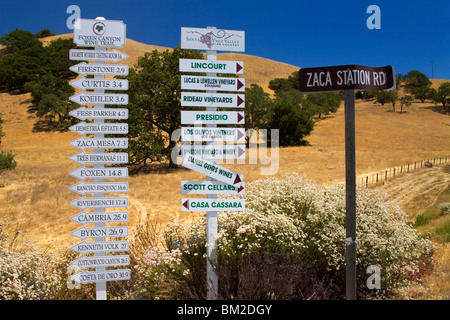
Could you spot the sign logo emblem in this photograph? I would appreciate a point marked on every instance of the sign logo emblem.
(99, 28)
(207, 38)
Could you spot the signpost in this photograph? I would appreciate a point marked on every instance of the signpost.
(212, 83)
(210, 187)
(212, 39)
(93, 128)
(213, 204)
(92, 158)
(103, 187)
(100, 69)
(211, 169)
(219, 180)
(100, 34)
(92, 217)
(106, 84)
(212, 117)
(97, 55)
(84, 113)
(348, 78)
(215, 151)
(99, 98)
(200, 65)
(224, 100)
(213, 134)
(86, 277)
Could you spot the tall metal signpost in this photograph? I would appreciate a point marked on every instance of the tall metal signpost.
(202, 158)
(348, 78)
(100, 34)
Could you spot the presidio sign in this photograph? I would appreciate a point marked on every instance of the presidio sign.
(348, 78)
(100, 34)
(202, 157)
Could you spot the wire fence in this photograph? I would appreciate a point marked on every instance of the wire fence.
(387, 174)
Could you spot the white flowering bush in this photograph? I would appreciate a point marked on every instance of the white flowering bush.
(26, 273)
(287, 244)
(296, 216)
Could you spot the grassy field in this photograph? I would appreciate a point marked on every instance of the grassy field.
(36, 196)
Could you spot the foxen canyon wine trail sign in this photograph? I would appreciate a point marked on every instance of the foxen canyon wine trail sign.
(203, 155)
(100, 34)
(348, 78)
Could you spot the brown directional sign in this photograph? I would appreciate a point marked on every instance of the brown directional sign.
(348, 77)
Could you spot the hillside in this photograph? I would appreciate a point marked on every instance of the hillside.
(256, 70)
(36, 196)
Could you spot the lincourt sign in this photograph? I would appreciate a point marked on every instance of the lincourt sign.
(348, 77)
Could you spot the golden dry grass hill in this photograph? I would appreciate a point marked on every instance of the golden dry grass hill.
(36, 195)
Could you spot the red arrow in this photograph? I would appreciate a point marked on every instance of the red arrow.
(239, 84)
(240, 151)
(239, 101)
(238, 67)
(239, 117)
(239, 134)
(237, 180)
(186, 204)
(240, 189)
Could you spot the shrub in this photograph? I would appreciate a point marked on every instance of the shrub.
(7, 161)
(296, 218)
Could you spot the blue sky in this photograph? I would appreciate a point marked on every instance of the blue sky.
(302, 33)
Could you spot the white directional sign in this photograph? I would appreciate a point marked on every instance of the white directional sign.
(100, 128)
(212, 83)
(100, 217)
(102, 261)
(97, 247)
(225, 100)
(100, 232)
(211, 187)
(212, 170)
(99, 33)
(100, 84)
(101, 143)
(102, 187)
(212, 117)
(215, 151)
(84, 173)
(94, 55)
(100, 158)
(84, 69)
(101, 276)
(212, 134)
(198, 204)
(211, 66)
(212, 39)
(84, 113)
(99, 202)
(100, 98)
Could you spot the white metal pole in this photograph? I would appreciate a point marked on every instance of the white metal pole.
(100, 287)
(211, 216)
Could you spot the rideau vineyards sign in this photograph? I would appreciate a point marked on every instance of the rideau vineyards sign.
(348, 77)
